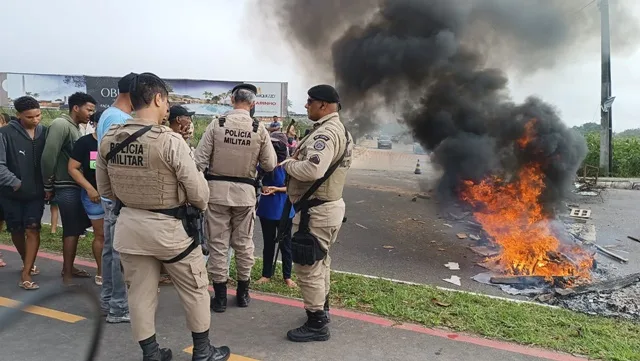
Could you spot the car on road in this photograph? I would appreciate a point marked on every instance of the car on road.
(384, 142)
(417, 149)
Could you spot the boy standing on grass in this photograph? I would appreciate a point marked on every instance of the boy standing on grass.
(62, 135)
(22, 194)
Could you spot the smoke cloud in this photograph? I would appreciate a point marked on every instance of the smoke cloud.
(441, 66)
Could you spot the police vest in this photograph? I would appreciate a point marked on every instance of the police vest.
(331, 190)
(236, 148)
(139, 174)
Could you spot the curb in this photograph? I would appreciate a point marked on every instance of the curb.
(620, 184)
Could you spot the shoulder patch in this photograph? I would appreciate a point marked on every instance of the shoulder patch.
(321, 136)
(319, 145)
(315, 159)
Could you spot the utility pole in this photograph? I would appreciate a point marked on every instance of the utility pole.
(606, 101)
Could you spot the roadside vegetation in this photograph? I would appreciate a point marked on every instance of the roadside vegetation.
(626, 150)
(557, 329)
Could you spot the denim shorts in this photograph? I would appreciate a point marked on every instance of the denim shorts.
(94, 210)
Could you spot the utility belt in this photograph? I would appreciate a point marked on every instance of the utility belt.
(193, 223)
(250, 181)
(305, 246)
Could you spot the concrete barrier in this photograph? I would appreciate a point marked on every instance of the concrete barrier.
(620, 183)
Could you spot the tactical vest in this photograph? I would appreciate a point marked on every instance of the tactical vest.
(331, 190)
(236, 147)
(139, 174)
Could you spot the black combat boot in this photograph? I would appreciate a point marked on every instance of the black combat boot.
(242, 294)
(326, 308)
(151, 351)
(219, 300)
(204, 351)
(315, 329)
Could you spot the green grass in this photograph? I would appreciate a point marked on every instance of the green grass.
(557, 329)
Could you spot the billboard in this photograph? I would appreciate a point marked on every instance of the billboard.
(205, 97)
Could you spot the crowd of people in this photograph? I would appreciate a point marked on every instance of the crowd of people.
(129, 174)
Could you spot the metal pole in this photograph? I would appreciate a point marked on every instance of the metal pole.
(606, 149)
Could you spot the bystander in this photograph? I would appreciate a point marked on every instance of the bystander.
(22, 192)
(63, 133)
(82, 168)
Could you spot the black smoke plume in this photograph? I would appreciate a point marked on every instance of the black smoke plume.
(438, 64)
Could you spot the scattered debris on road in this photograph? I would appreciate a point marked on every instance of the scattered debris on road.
(580, 213)
(615, 256)
(453, 280)
(447, 225)
(388, 247)
(615, 297)
(474, 237)
(633, 239)
(485, 251)
(453, 266)
(358, 202)
(361, 226)
(461, 235)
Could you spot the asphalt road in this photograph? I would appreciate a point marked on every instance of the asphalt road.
(60, 329)
(390, 234)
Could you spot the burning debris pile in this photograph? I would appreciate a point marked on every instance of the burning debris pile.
(442, 65)
(512, 216)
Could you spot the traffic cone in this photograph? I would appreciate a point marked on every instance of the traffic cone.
(417, 171)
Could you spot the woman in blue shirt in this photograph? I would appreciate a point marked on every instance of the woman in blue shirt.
(270, 208)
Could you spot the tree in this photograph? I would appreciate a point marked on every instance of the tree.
(78, 81)
(629, 133)
(289, 104)
(587, 128)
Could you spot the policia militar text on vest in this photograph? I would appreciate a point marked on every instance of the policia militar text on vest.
(192, 219)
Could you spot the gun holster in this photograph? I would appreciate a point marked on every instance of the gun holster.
(117, 207)
(305, 247)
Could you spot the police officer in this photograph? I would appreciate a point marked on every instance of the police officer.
(146, 167)
(229, 151)
(327, 148)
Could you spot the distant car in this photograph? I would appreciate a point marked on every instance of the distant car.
(384, 142)
(417, 149)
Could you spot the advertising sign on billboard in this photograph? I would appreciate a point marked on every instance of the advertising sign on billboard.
(205, 97)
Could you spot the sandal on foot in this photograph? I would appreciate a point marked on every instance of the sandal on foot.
(2, 263)
(80, 273)
(28, 285)
(98, 280)
(165, 280)
(34, 270)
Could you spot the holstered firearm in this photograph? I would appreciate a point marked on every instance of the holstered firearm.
(117, 206)
(193, 222)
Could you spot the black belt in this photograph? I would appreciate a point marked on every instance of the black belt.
(250, 181)
(308, 204)
(177, 212)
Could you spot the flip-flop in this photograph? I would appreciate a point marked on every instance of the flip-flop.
(98, 280)
(28, 285)
(2, 263)
(34, 270)
(80, 273)
(165, 280)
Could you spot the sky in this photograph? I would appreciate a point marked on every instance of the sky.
(215, 39)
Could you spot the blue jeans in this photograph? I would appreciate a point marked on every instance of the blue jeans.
(114, 291)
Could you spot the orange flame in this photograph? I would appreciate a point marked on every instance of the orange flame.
(513, 217)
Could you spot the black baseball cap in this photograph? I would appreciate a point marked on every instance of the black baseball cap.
(125, 82)
(250, 87)
(179, 111)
